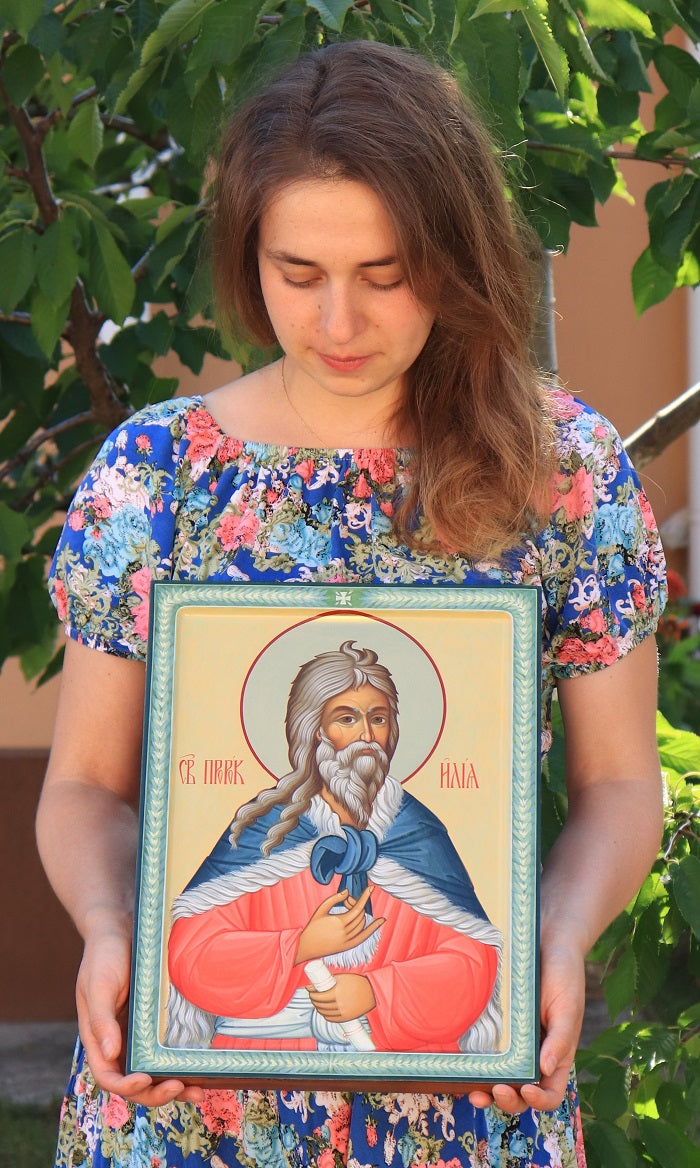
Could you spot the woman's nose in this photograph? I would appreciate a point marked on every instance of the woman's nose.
(340, 316)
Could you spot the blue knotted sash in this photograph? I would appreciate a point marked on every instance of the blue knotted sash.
(350, 858)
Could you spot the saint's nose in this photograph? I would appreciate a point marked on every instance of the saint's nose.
(367, 734)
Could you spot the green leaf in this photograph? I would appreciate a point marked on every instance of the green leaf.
(332, 12)
(111, 282)
(61, 93)
(485, 6)
(167, 254)
(179, 23)
(20, 15)
(48, 34)
(206, 117)
(621, 985)
(18, 266)
(552, 54)
(671, 12)
(156, 334)
(670, 1147)
(48, 320)
(678, 749)
(610, 1096)
(671, 229)
(686, 890)
(177, 216)
(688, 274)
(617, 107)
(617, 14)
(653, 957)
(15, 532)
(22, 71)
(678, 70)
(36, 658)
(607, 1145)
(57, 261)
(650, 282)
(281, 44)
(32, 612)
(85, 132)
(225, 31)
(569, 32)
(620, 56)
(136, 82)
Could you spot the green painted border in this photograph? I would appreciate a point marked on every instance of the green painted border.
(520, 1061)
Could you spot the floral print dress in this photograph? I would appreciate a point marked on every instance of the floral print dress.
(170, 496)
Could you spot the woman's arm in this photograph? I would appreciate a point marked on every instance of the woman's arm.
(87, 826)
(605, 850)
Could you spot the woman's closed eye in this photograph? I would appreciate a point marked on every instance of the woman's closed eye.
(373, 284)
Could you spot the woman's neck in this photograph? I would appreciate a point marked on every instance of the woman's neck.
(263, 407)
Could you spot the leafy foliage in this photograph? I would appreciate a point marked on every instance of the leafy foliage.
(640, 1078)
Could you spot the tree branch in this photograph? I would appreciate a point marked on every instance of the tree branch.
(81, 332)
(652, 438)
(157, 142)
(38, 440)
(53, 467)
(15, 318)
(8, 40)
(83, 325)
(609, 152)
(37, 175)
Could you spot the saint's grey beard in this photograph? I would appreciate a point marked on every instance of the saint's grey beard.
(353, 777)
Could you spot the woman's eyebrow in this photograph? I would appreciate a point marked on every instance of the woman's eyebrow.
(286, 257)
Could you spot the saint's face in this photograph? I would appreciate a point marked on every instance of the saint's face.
(357, 715)
(336, 295)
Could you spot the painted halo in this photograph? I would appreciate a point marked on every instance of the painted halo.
(266, 688)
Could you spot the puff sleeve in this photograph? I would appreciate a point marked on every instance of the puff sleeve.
(603, 570)
(119, 534)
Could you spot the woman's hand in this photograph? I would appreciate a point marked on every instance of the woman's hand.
(562, 999)
(101, 997)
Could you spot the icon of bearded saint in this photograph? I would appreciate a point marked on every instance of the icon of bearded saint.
(336, 864)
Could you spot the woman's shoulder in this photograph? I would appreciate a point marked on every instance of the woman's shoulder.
(587, 444)
(580, 428)
(162, 414)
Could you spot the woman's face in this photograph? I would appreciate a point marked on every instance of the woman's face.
(335, 292)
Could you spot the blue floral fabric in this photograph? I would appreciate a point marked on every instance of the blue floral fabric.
(170, 496)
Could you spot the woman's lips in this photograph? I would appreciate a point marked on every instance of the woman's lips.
(343, 364)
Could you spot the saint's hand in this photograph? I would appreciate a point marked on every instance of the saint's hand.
(351, 997)
(329, 932)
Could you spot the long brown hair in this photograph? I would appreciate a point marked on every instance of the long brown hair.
(388, 118)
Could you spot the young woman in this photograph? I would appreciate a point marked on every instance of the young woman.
(404, 436)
